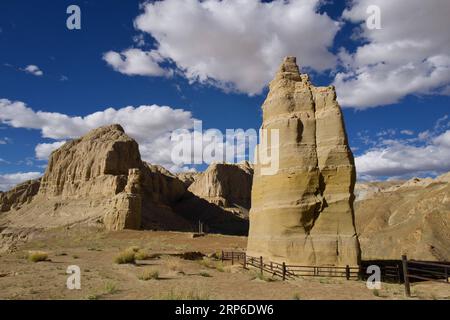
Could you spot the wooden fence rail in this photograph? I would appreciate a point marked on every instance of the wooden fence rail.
(427, 271)
(290, 271)
(407, 269)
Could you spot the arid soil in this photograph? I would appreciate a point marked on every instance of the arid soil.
(94, 252)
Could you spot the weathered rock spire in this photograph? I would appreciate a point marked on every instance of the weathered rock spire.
(304, 212)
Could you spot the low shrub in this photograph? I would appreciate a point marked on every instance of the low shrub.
(36, 256)
(174, 264)
(124, 257)
(141, 255)
(149, 275)
(205, 274)
(110, 288)
(181, 295)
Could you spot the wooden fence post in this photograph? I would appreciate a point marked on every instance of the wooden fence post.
(284, 271)
(232, 257)
(245, 260)
(261, 264)
(405, 275)
(347, 272)
(446, 274)
(222, 256)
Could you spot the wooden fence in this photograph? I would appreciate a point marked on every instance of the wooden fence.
(408, 270)
(234, 256)
(285, 271)
(391, 270)
(426, 271)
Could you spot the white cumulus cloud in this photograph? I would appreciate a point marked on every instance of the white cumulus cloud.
(427, 153)
(136, 62)
(7, 181)
(43, 150)
(149, 125)
(409, 55)
(233, 44)
(34, 70)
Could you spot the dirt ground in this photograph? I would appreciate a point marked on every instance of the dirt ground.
(95, 251)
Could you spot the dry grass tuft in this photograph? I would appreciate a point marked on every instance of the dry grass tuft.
(36, 256)
(141, 255)
(181, 295)
(127, 256)
(208, 263)
(110, 288)
(174, 264)
(149, 274)
(297, 297)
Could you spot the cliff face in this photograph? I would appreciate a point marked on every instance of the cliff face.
(101, 179)
(411, 218)
(188, 177)
(304, 212)
(21, 194)
(227, 185)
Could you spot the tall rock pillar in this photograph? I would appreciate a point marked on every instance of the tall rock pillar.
(303, 213)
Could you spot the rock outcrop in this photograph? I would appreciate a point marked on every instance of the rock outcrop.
(126, 208)
(304, 212)
(367, 189)
(100, 180)
(188, 177)
(410, 218)
(21, 194)
(228, 186)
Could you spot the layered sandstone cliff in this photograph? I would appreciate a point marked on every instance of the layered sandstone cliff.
(101, 179)
(411, 218)
(304, 212)
(19, 195)
(188, 178)
(228, 186)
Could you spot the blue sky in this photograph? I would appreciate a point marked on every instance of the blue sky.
(174, 61)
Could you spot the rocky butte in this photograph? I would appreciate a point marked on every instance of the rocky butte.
(303, 214)
(97, 179)
(227, 186)
(100, 180)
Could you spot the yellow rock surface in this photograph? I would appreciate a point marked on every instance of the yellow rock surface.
(303, 214)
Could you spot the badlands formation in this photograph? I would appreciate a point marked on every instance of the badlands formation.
(412, 218)
(226, 185)
(303, 214)
(100, 180)
(19, 195)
